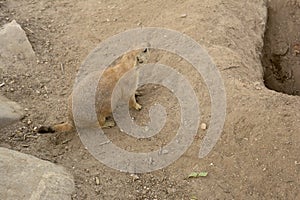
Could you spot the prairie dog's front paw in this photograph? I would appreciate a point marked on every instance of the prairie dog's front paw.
(137, 106)
(138, 93)
(108, 124)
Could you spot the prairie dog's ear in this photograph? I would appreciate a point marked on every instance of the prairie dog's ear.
(146, 52)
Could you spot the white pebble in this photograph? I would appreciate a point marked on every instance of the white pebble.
(203, 126)
(183, 15)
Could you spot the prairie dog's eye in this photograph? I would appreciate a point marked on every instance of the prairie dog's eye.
(145, 50)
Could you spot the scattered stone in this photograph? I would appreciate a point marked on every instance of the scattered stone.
(27, 177)
(97, 180)
(203, 126)
(165, 151)
(183, 16)
(171, 190)
(135, 177)
(10, 112)
(257, 86)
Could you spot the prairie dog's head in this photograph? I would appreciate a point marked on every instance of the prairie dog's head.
(143, 56)
(136, 57)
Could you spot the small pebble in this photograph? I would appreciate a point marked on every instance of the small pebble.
(135, 177)
(165, 151)
(97, 180)
(183, 16)
(203, 126)
(257, 88)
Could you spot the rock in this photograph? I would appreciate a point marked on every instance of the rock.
(183, 15)
(10, 112)
(13, 42)
(97, 180)
(27, 177)
(203, 126)
(135, 177)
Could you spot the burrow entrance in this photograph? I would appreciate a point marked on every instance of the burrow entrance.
(281, 53)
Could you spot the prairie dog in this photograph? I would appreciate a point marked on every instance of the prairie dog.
(107, 83)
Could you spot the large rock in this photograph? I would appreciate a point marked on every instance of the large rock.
(27, 177)
(15, 51)
(14, 43)
(10, 112)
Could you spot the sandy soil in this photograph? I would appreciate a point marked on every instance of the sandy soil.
(257, 156)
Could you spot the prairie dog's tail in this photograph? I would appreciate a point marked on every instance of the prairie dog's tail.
(64, 127)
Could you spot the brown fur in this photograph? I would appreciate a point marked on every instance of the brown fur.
(103, 98)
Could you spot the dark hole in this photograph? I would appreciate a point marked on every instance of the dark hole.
(281, 53)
